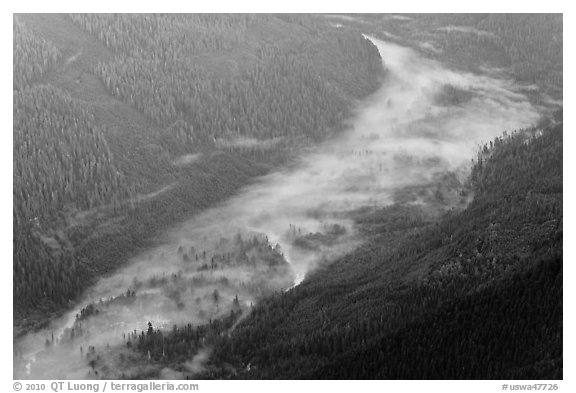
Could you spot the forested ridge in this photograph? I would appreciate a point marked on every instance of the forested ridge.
(476, 295)
(525, 47)
(288, 91)
(126, 125)
(61, 161)
(84, 163)
(32, 57)
(531, 43)
(71, 162)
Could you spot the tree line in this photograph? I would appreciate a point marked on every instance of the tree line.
(477, 294)
(284, 91)
(61, 164)
(32, 56)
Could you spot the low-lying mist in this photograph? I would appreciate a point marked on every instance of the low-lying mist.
(424, 122)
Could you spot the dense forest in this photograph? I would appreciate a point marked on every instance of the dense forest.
(281, 95)
(61, 162)
(475, 295)
(87, 170)
(526, 47)
(33, 56)
(128, 125)
(205, 289)
(530, 44)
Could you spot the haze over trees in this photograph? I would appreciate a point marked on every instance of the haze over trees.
(194, 78)
(33, 56)
(61, 161)
(526, 47)
(484, 300)
(284, 93)
(127, 126)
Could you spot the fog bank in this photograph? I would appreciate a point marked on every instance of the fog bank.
(424, 121)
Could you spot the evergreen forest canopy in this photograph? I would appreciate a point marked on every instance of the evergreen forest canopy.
(193, 80)
(125, 125)
(526, 47)
(477, 295)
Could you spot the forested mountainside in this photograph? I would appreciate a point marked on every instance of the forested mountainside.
(475, 295)
(526, 47)
(530, 44)
(294, 89)
(33, 56)
(124, 124)
(384, 253)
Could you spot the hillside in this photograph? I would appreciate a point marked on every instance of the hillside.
(156, 132)
(259, 196)
(475, 295)
(523, 47)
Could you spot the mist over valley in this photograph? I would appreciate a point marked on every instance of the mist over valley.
(409, 156)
